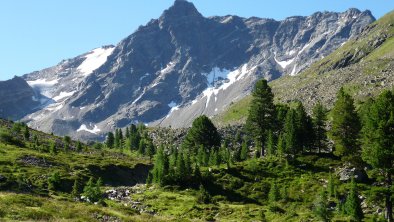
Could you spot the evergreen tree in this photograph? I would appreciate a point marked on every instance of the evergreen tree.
(110, 141)
(127, 133)
(271, 149)
(331, 186)
(79, 146)
(202, 132)
(281, 112)
(92, 190)
(67, 143)
(378, 141)
(345, 126)
(244, 150)
(52, 147)
(304, 128)
(117, 139)
(26, 133)
(353, 205)
(150, 150)
(274, 194)
(292, 144)
(180, 167)
(319, 126)
(54, 181)
(121, 139)
(261, 116)
(75, 189)
(281, 147)
(321, 207)
(142, 147)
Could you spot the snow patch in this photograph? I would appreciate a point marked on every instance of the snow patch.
(170, 66)
(303, 48)
(63, 95)
(294, 71)
(227, 20)
(94, 60)
(43, 86)
(172, 104)
(54, 107)
(83, 127)
(233, 77)
(285, 63)
(216, 74)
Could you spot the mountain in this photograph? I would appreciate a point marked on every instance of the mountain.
(364, 66)
(17, 99)
(179, 66)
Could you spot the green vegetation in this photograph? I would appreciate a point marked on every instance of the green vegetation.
(279, 166)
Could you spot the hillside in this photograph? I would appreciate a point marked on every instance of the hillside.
(364, 66)
(236, 192)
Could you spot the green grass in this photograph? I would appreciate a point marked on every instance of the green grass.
(236, 112)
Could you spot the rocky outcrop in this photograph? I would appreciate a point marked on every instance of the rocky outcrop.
(17, 99)
(179, 66)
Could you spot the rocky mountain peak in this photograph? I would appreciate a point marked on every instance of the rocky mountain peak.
(179, 10)
(180, 66)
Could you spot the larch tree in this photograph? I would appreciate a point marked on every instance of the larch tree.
(345, 126)
(261, 116)
(319, 117)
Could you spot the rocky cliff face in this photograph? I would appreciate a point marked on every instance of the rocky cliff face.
(179, 66)
(17, 99)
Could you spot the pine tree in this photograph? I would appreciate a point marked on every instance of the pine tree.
(319, 126)
(321, 207)
(292, 144)
(142, 147)
(180, 167)
(150, 150)
(67, 143)
(345, 126)
(52, 147)
(274, 194)
(197, 172)
(121, 139)
(331, 186)
(281, 147)
(353, 205)
(261, 116)
(26, 133)
(378, 141)
(117, 139)
(244, 150)
(79, 146)
(271, 149)
(92, 190)
(304, 128)
(75, 189)
(202, 132)
(110, 141)
(127, 133)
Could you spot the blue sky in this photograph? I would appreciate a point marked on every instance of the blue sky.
(40, 33)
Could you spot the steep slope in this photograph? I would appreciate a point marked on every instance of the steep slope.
(364, 66)
(17, 99)
(180, 66)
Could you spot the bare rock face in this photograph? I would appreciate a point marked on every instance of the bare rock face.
(179, 66)
(17, 99)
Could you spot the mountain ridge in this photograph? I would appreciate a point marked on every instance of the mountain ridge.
(173, 68)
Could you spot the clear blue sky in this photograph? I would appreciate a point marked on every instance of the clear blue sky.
(40, 33)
